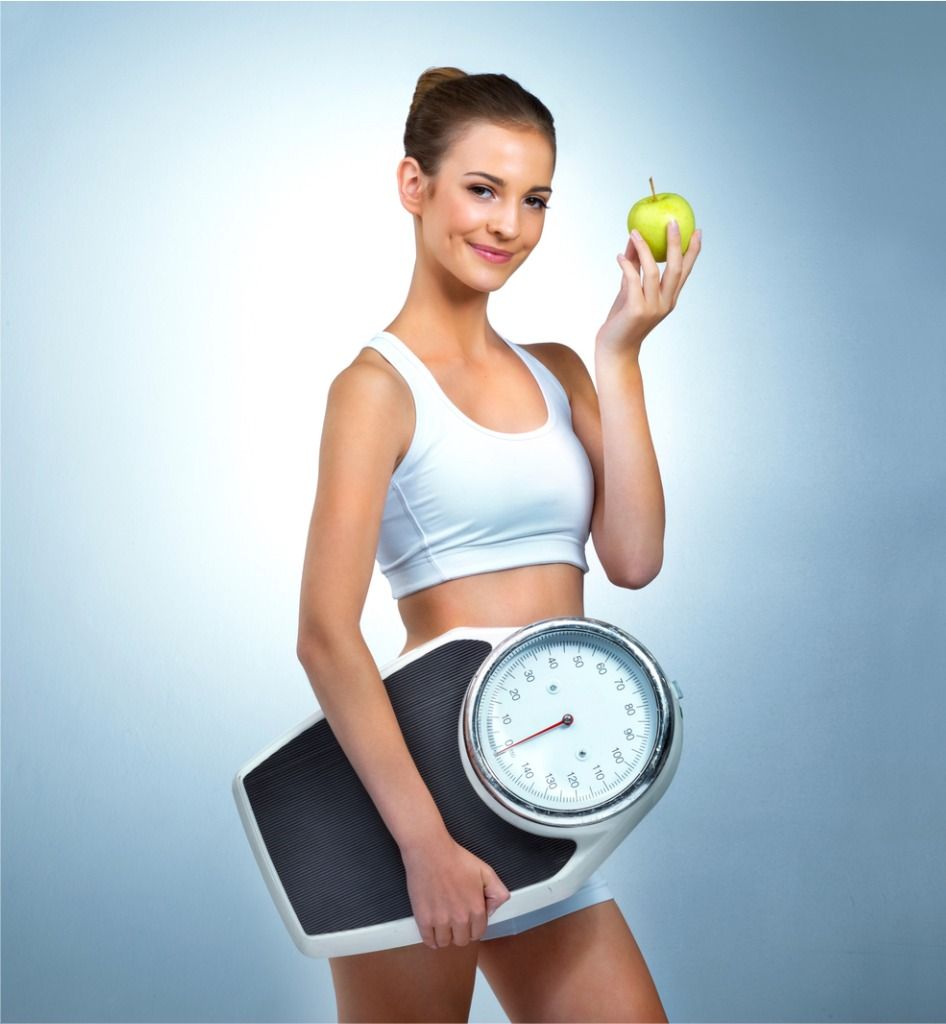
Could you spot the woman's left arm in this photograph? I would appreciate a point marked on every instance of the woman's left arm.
(629, 518)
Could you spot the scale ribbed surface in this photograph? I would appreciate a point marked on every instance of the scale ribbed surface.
(336, 859)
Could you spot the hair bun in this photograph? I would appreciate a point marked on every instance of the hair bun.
(447, 100)
(430, 79)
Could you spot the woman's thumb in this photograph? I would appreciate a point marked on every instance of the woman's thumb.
(494, 892)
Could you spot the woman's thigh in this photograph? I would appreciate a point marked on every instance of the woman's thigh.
(409, 983)
(583, 966)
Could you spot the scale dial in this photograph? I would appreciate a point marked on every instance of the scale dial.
(568, 721)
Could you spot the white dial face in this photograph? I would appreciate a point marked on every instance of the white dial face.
(566, 720)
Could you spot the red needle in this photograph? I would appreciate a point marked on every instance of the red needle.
(566, 720)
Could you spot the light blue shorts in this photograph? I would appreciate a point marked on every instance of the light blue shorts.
(594, 890)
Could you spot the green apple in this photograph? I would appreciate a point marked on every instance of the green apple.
(651, 215)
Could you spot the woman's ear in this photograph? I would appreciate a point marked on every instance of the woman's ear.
(411, 184)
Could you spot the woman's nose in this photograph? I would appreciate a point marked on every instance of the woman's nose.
(505, 222)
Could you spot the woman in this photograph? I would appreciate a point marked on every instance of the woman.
(437, 410)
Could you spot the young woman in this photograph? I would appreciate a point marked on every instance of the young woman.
(474, 469)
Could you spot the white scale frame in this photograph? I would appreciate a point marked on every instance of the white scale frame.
(595, 833)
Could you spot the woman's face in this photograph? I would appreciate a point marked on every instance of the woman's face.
(492, 189)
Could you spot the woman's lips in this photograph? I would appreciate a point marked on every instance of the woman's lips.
(492, 257)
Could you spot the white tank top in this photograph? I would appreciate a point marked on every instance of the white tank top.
(466, 499)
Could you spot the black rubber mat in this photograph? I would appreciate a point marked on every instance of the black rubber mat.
(336, 859)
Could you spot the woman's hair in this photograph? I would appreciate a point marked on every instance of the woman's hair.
(447, 101)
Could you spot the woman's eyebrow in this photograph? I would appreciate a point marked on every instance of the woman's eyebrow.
(502, 184)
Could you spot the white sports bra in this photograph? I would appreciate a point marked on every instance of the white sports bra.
(466, 499)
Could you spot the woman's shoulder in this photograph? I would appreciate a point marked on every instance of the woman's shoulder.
(367, 355)
(369, 379)
(370, 376)
(565, 363)
(372, 358)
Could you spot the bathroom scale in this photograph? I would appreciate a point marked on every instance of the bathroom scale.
(542, 745)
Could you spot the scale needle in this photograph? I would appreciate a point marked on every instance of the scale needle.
(566, 719)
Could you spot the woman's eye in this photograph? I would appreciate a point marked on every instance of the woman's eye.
(542, 204)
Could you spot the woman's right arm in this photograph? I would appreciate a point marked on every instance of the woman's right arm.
(361, 438)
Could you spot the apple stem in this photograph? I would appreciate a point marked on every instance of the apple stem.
(652, 189)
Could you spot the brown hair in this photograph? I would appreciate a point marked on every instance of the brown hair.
(447, 101)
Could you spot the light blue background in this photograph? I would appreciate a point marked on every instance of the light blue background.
(201, 228)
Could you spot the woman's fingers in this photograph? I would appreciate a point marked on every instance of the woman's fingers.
(630, 254)
(649, 265)
(663, 292)
(670, 284)
(652, 301)
(693, 250)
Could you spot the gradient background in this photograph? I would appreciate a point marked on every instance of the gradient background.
(201, 228)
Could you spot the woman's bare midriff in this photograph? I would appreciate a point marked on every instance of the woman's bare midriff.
(509, 597)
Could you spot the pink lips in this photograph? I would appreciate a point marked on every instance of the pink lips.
(492, 257)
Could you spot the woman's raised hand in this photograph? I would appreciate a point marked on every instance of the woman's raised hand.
(639, 307)
(452, 892)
